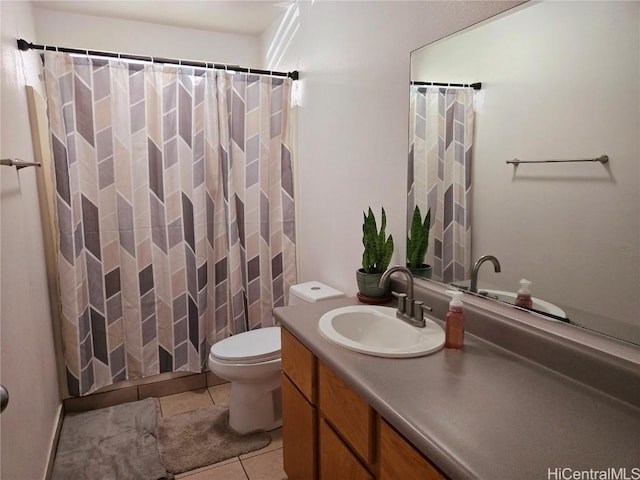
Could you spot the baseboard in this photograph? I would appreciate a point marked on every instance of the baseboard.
(54, 444)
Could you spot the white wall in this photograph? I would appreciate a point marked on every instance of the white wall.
(27, 359)
(65, 29)
(560, 80)
(353, 58)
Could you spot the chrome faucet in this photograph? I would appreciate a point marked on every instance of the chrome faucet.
(476, 266)
(409, 310)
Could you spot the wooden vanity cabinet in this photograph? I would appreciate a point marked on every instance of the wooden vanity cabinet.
(299, 414)
(348, 413)
(398, 459)
(336, 460)
(299, 364)
(329, 432)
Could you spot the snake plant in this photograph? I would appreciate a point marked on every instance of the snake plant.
(377, 249)
(418, 238)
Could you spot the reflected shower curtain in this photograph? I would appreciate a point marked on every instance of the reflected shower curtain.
(175, 212)
(441, 139)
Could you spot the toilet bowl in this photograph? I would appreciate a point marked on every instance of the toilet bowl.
(251, 362)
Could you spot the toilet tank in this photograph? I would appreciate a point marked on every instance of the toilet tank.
(311, 292)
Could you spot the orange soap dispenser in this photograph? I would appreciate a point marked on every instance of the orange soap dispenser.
(454, 326)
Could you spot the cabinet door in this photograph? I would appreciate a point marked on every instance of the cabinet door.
(347, 412)
(299, 433)
(299, 364)
(398, 459)
(336, 460)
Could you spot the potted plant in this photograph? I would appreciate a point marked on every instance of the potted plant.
(378, 250)
(417, 244)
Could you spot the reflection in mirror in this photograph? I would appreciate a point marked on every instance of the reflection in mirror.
(560, 81)
(441, 126)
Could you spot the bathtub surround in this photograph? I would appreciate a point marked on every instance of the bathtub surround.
(174, 207)
(202, 437)
(132, 390)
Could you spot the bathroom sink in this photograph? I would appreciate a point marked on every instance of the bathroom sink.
(377, 331)
(510, 297)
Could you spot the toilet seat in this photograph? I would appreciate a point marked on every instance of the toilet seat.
(255, 346)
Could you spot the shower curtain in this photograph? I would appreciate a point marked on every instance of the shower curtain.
(441, 140)
(175, 212)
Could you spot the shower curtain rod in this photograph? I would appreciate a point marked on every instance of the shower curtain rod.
(24, 45)
(475, 86)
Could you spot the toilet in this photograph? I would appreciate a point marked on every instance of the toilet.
(251, 362)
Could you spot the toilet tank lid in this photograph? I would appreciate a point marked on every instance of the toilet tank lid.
(314, 292)
(258, 345)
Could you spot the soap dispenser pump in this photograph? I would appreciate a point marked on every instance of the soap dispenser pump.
(454, 326)
(524, 294)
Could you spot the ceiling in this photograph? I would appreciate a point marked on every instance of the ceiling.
(240, 16)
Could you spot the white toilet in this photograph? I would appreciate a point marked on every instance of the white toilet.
(251, 362)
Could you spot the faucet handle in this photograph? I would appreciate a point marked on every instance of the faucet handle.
(420, 309)
(401, 301)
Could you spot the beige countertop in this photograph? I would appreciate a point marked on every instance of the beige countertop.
(483, 412)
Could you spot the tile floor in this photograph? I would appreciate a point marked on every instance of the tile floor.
(264, 464)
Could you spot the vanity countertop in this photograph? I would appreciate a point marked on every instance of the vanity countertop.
(483, 412)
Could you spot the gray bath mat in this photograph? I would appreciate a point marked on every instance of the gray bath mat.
(109, 443)
(201, 437)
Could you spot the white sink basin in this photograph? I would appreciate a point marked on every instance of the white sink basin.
(541, 305)
(377, 331)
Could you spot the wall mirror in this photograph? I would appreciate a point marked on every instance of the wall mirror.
(559, 81)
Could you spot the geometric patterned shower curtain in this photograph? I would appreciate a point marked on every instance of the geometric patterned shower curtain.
(440, 154)
(174, 211)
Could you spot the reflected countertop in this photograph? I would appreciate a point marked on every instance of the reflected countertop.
(612, 327)
(483, 412)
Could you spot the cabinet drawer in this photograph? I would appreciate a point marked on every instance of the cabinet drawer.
(347, 412)
(336, 460)
(299, 364)
(299, 434)
(398, 459)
